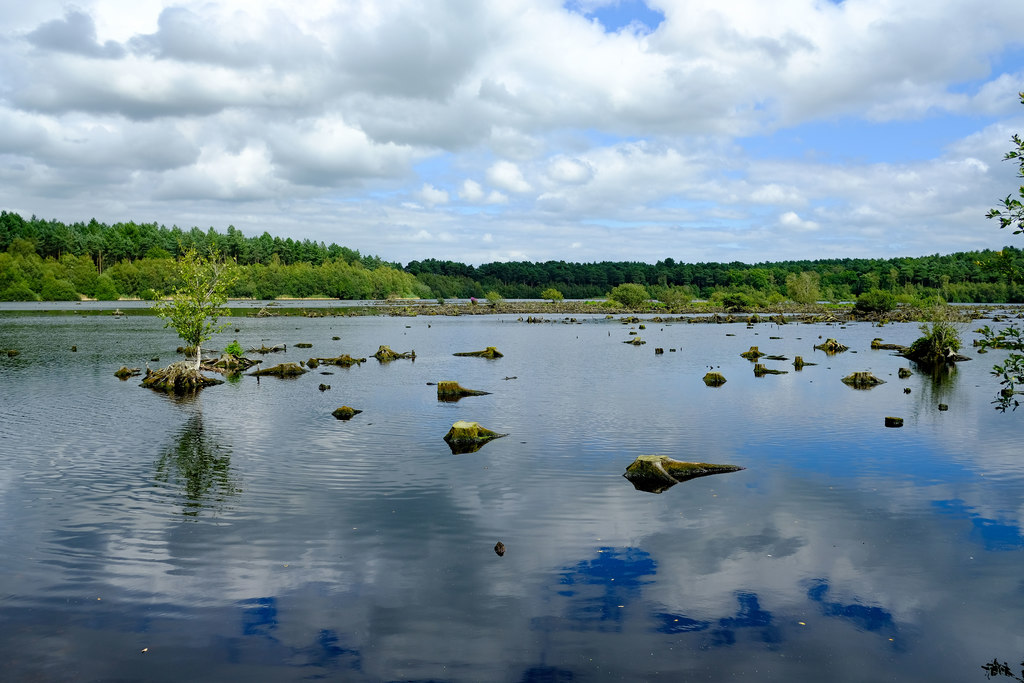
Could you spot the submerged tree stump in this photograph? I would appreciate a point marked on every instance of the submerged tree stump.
(760, 370)
(229, 363)
(831, 346)
(893, 421)
(125, 372)
(714, 379)
(180, 377)
(385, 354)
(862, 380)
(753, 353)
(453, 391)
(345, 413)
(281, 370)
(268, 349)
(489, 352)
(469, 437)
(878, 345)
(799, 363)
(637, 341)
(656, 473)
(904, 373)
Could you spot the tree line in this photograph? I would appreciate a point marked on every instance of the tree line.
(51, 260)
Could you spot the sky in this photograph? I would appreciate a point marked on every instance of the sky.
(583, 130)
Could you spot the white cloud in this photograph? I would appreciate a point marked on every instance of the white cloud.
(792, 221)
(507, 176)
(471, 191)
(432, 196)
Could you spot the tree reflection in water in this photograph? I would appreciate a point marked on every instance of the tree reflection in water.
(198, 464)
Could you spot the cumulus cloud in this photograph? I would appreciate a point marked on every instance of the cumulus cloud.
(530, 112)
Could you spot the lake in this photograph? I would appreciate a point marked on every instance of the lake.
(246, 534)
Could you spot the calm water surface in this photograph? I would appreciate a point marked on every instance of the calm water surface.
(245, 534)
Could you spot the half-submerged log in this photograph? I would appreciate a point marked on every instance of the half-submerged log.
(862, 380)
(656, 473)
(180, 377)
(714, 379)
(831, 346)
(877, 344)
(345, 413)
(453, 391)
(385, 354)
(468, 437)
(753, 353)
(268, 349)
(344, 360)
(281, 370)
(125, 372)
(760, 370)
(489, 352)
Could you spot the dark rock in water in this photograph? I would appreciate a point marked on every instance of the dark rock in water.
(656, 473)
(659, 351)
(281, 370)
(714, 379)
(943, 406)
(453, 391)
(469, 437)
(304, 345)
(312, 363)
(74, 349)
(862, 380)
(499, 548)
(345, 413)
(904, 373)
(489, 352)
(894, 422)
(906, 390)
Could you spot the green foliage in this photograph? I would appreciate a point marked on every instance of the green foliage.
(941, 340)
(735, 302)
(194, 309)
(551, 294)
(234, 349)
(19, 291)
(630, 295)
(672, 297)
(875, 301)
(105, 289)
(804, 287)
(494, 298)
(1012, 213)
(58, 290)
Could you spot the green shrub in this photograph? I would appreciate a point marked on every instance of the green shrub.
(736, 302)
(494, 298)
(630, 295)
(19, 291)
(234, 349)
(875, 301)
(552, 294)
(106, 290)
(148, 295)
(58, 290)
(941, 339)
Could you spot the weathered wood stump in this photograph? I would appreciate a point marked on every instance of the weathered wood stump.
(469, 437)
(831, 346)
(753, 353)
(453, 391)
(714, 379)
(656, 473)
(345, 413)
(281, 370)
(385, 354)
(180, 377)
(489, 352)
(862, 380)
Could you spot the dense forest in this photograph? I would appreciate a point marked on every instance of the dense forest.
(51, 260)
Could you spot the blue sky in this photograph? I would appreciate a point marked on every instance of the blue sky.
(581, 130)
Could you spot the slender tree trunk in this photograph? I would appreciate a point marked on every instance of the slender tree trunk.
(199, 356)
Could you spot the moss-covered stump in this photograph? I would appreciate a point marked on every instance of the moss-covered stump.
(862, 380)
(637, 341)
(469, 437)
(269, 349)
(894, 422)
(345, 413)
(11, 353)
(714, 379)
(753, 353)
(343, 360)
(831, 346)
(453, 391)
(281, 370)
(180, 377)
(125, 372)
(229, 363)
(760, 370)
(904, 373)
(799, 363)
(656, 473)
(489, 352)
(385, 354)
(303, 345)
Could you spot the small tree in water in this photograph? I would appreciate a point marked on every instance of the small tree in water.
(194, 309)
